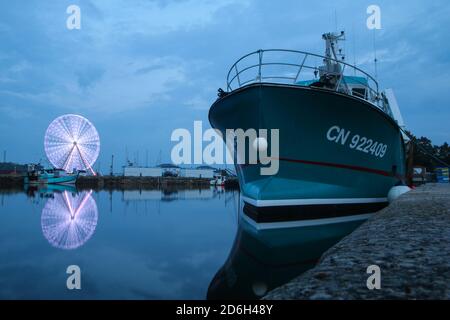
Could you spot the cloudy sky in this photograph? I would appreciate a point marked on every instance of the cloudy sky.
(138, 69)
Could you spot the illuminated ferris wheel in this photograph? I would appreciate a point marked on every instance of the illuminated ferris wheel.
(72, 143)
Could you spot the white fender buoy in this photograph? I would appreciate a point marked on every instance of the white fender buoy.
(260, 144)
(396, 192)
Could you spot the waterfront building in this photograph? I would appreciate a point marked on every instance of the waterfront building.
(205, 172)
(142, 171)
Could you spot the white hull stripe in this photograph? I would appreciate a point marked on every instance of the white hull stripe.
(303, 202)
(305, 223)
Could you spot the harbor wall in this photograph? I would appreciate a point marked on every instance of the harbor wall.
(11, 181)
(122, 182)
(410, 243)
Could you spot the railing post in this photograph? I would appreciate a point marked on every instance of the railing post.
(340, 79)
(237, 75)
(260, 54)
(300, 69)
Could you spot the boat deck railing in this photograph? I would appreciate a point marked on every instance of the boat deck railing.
(299, 68)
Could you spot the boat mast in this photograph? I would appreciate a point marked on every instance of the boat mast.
(331, 46)
(331, 72)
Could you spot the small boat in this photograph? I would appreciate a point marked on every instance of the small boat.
(341, 145)
(50, 176)
(218, 181)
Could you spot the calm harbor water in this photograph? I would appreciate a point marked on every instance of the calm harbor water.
(148, 244)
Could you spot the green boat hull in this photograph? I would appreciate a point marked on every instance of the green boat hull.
(316, 166)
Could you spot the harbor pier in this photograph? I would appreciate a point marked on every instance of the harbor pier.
(11, 181)
(410, 243)
(123, 182)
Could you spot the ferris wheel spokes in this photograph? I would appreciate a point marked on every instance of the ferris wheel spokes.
(85, 162)
(69, 157)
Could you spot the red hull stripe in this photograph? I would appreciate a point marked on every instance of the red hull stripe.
(338, 165)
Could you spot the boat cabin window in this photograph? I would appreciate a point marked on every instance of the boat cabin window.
(359, 92)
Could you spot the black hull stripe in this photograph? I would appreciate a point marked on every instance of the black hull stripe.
(309, 212)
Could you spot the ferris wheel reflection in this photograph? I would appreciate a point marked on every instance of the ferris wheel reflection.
(69, 220)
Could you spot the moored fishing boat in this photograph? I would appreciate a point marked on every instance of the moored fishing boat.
(50, 176)
(218, 181)
(340, 148)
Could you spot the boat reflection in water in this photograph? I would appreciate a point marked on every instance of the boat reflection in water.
(267, 255)
(68, 220)
(48, 190)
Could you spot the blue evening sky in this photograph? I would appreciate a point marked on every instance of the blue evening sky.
(140, 69)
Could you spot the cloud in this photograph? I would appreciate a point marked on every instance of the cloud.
(7, 80)
(98, 68)
(117, 87)
(20, 67)
(395, 53)
(15, 113)
(160, 17)
(198, 103)
(12, 72)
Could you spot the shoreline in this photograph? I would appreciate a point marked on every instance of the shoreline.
(125, 183)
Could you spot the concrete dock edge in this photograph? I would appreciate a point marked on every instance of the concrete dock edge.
(409, 241)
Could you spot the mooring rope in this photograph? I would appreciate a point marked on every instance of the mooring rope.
(413, 139)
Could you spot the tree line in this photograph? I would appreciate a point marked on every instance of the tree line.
(428, 155)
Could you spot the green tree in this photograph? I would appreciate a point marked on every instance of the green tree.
(428, 155)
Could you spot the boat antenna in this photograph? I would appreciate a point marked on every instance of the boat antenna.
(354, 47)
(375, 60)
